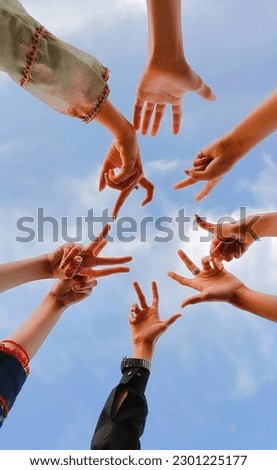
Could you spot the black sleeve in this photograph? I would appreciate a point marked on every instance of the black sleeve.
(12, 378)
(121, 431)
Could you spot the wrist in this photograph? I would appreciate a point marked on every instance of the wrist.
(144, 350)
(240, 296)
(240, 143)
(233, 146)
(42, 268)
(171, 63)
(54, 302)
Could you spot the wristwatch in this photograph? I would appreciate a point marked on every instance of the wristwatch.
(128, 362)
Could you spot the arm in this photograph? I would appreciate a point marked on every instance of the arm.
(232, 240)
(122, 420)
(23, 344)
(167, 75)
(67, 79)
(215, 160)
(62, 263)
(215, 284)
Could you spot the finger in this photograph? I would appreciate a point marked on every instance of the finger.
(176, 118)
(172, 319)
(189, 264)
(217, 264)
(85, 284)
(148, 111)
(109, 271)
(184, 281)
(200, 167)
(102, 182)
(205, 92)
(214, 243)
(159, 112)
(201, 160)
(194, 299)
(120, 201)
(128, 183)
(133, 314)
(131, 166)
(113, 260)
(105, 169)
(206, 263)
(85, 275)
(216, 251)
(149, 187)
(209, 186)
(230, 254)
(237, 251)
(225, 251)
(155, 294)
(138, 106)
(184, 183)
(69, 254)
(99, 239)
(99, 247)
(71, 270)
(140, 295)
(85, 292)
(209, 226)
(66, 248)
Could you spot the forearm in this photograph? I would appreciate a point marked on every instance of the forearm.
(264, 305)
(165, 41)
(31, 334)
(144, 351)
(256, 126)
(20, 272)
(263, 225)
(112, 119)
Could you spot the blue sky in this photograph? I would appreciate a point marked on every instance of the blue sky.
(213, 383)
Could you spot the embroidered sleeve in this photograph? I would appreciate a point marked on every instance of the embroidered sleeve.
(14, 369)
(67, 79)
(17, 351)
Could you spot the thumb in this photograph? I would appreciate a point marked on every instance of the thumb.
(205, 92)
(209, 226)
(172, 319)
(194, 299)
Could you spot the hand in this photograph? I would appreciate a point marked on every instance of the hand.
(211, 163)
(91, 258)
(160, 85)
(213, 282)
(124, 153)
(145, 323)
(230, 240)
(65, 261)
(71, 291)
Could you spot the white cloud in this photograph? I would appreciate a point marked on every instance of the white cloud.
(69, 18)
(9, 147)
(161, 165)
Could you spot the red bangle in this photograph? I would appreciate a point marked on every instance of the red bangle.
(22, 357)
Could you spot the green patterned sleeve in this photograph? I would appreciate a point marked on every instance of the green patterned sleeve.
(67, 79)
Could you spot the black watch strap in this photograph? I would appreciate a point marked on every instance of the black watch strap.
(128, 362)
